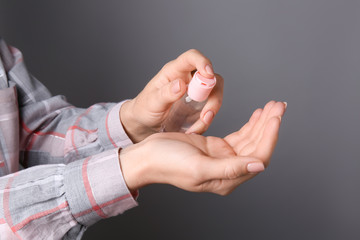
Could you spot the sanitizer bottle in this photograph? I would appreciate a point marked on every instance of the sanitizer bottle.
(186, 111)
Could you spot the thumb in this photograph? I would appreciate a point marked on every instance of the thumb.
(234, 167)
(168, 94)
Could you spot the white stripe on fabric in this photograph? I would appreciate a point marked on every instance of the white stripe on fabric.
(38, 182)
(18, 81)
(9, 116)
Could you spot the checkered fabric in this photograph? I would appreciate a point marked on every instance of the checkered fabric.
(59, 165)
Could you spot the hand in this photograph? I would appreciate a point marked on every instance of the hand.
(197, 163)
(143, 115)
(258, 137)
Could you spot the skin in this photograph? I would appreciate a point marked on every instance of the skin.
(204, 164)
(191, 161)
(143, 115)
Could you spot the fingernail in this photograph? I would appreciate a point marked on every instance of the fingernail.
(209, 70)
(190, 133)
(175, 86)
(285, 103)
(255, 167)
(208, 117)
(280, 118)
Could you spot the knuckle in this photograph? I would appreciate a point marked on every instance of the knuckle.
(188, 54)
(167, 65)
(202, 188)
(196, 173)
(214, 104)
(197, 53)
(193, 51)
(224, 192)
(231, 172)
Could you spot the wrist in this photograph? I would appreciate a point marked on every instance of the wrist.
(135, 130)
(134, 167)
(128, 121)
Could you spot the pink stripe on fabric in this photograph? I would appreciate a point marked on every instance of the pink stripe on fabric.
(107, 130)
(88, 190)
(72, 128)
(73, 141)
(76, 215)
(19, 60)
(49, 144)
(20, 225)
(82, 129)
(115, 200)
(50, 133)
(28, 130)
(6, 196)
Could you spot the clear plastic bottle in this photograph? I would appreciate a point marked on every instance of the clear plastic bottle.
(186, 111)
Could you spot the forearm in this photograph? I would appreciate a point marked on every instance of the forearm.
(52, 200)
(51, 129)
(64, 133)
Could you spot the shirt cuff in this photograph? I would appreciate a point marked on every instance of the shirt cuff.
(95, 188)
(112, 133)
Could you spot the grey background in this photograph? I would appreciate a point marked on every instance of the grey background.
(305, 52)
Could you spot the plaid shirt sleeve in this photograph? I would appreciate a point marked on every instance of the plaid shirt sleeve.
(72, 177)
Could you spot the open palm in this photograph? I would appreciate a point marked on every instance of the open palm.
(255, 141)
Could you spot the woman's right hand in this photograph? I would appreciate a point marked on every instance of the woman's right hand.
(144, 115)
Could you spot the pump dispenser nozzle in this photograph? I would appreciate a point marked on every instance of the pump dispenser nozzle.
(186, 111)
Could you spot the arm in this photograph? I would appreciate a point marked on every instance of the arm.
(82, 132)
(66, 186)
(84, 194)
(54, 201)
(52, 130)
(61, 201)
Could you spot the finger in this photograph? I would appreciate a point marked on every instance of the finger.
(199, 127)
(255, 117)
(265, 113)
(277, 110)
(250, 144)
(214, 101)
(231, 168)
(160, 99)
(268, 141)
(210, 109)
(236, 137)
(189, 61)
(262, 120)
(225, 187)
(258, 115)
